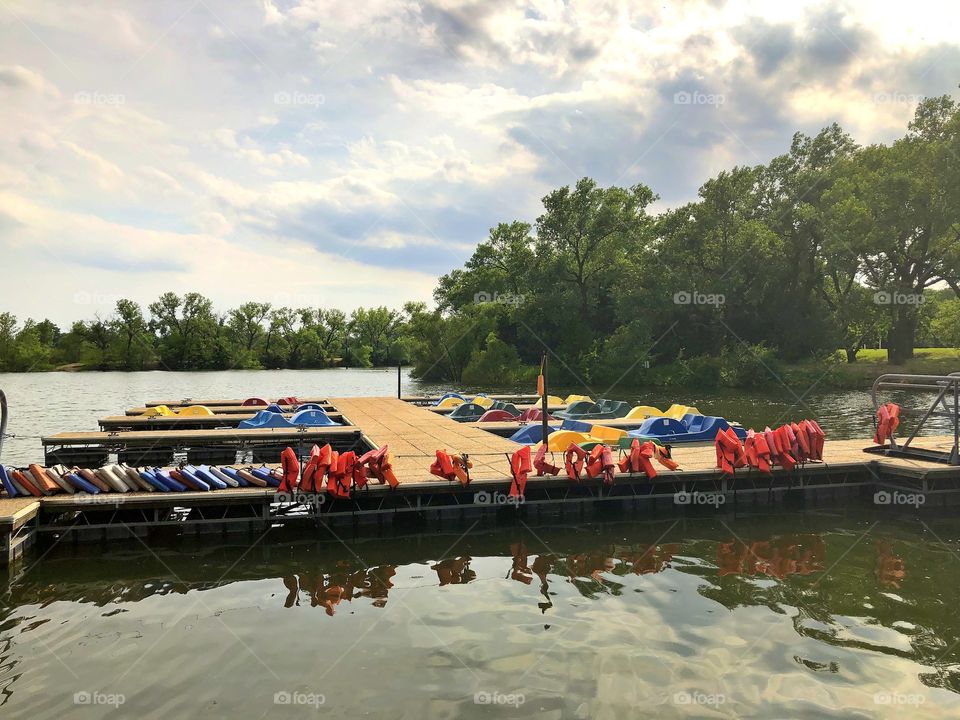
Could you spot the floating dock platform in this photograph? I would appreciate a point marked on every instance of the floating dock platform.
(413, 434)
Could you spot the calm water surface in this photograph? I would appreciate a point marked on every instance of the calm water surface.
(788, 616)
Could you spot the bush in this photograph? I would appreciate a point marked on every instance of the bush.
(748, 366)
(497, 364)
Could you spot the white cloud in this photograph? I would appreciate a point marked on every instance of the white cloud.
(439, 119)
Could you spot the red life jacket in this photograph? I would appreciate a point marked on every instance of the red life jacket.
(888, 420)
(308, 483)
(818, 437)
(520, 467)
(784, 449)
(541, 465)
(729, 449)
(638, 458)
(380, 465)
(601, 462)
(452, 467)
(573, 460)
(757, 451)
(340, 475)
(291, 471)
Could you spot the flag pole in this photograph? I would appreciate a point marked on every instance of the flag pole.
(543, 400)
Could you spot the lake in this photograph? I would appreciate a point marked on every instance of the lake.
(823, 614)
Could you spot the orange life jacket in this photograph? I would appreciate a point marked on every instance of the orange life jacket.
(888, 420)
(380, 464)
(817, 437)
(308, 483)
(520, 467)
(452, 467)
(803, 441)
(541, 465)
(637, 459)
(757, 451)
(340, 475)
(601, 462)
(291, 471)
(785, 455)
(729, 450)
(573, 460)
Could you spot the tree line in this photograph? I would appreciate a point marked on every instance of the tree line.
(829, 246)
(185, 333)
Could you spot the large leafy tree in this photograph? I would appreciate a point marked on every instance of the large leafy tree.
(913, 239)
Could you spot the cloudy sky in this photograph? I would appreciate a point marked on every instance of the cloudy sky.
(346, 153)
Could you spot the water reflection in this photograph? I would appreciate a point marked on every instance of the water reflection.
(801, 598)
(891, 568)
(328, 591)
(776, 557)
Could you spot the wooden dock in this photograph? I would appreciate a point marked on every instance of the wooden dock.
(221, 409)
(184, 422)
(414, 435)
(187, 402)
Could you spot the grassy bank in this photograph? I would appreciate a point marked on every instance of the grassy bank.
(872, 363)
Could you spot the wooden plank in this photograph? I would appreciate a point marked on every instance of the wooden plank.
(172, 421)
(14, 512)
(521, 408)
(197, 437)
(506, 398)
(222, 409)
(183, 402)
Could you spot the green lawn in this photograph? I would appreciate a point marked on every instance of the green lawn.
(872, 363)
(920, 355)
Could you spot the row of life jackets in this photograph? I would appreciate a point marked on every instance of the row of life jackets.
(787, 446)
(343, 471)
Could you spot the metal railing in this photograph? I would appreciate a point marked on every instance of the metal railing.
(947, 387)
